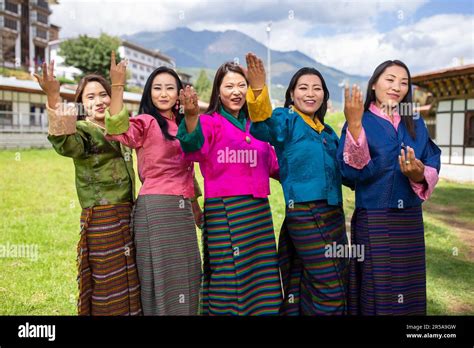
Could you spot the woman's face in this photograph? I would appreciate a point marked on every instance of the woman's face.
(233, 91)
(95, 100)
(164, 92)
(391, 87)
(308, 95)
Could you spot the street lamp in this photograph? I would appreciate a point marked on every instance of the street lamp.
(269, 65)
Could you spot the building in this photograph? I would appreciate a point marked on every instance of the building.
(23, 120)
(24, 33)
(452, 106)
(142, 61)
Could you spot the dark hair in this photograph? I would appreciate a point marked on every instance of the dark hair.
(406, 115)
(147, 106)
(215, 102)
(82, 85)
(291, 87)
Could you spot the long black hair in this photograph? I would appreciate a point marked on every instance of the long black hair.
(406, 113)
(215, 102)
(321, 112)
(147, 106)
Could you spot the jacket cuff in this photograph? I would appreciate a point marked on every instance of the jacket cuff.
(61, 120)
(260, 108)
(117, 124)
(193, 141)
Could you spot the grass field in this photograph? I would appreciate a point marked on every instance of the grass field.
(40, 209)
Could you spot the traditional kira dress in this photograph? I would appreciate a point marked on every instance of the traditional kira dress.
(108, 279)
(388, 220)
(168, 260)
(315, 283)
(241, 274)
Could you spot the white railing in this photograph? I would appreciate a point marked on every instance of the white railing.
(19, 122)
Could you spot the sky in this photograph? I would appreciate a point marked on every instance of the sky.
(350, 35)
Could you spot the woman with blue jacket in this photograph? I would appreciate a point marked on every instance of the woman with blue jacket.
(314, 280)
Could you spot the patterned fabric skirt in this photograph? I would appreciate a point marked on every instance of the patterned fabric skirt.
(314, 282)
(241, 275)
(168, 260)
(392, 278)
(108, 280)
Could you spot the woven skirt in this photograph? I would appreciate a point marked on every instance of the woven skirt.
(107, 275)
(241, 275)
(168, 260)
(392, 278)
(314, 283)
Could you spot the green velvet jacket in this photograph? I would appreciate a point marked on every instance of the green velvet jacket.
(104, 169)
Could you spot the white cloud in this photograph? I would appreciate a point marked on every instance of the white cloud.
(350, 41)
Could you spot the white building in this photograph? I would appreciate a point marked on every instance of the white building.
(142, 62)
(453, 106)
(24, 33)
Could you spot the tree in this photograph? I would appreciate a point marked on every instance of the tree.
(203, 86)
(91, 55)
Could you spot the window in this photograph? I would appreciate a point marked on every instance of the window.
(469, 135)
(11, 7)
(43, 34)
(6, 116)
(11, 24)
(40, 17)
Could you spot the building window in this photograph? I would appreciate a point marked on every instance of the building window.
(41, 33)
(6, 116)
(40, 17)
(469, 135)
(11, 7)
(11, 23)
(43, 4)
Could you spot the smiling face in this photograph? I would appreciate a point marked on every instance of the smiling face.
(164, 92)
(96, 100)
(308, 95)
(233, 90)
(391, 87)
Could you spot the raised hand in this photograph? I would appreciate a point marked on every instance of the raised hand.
(188, 100)
(118, 72)
(49, 84)
(353, 105)
(255, 71)
(353, 110)
(410, 166)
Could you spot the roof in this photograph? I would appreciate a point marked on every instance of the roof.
(13, 84)
(154, 53)
(29, 86)
(442, 73)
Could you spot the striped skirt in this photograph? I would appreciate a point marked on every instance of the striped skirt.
(241, 274)
(392, 278)
(314, 282)
(107, 276)
(168, 260)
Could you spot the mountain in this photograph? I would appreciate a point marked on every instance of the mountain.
(193, 50)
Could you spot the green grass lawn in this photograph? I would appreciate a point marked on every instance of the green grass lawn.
(39, 207)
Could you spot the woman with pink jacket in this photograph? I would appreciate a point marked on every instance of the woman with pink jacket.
(241, 275)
